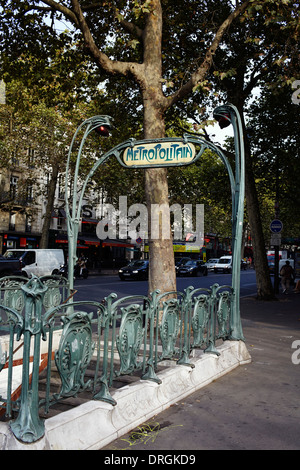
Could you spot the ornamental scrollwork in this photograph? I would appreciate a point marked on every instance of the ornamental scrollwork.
(75, 352)
(130, 337)
(200, 320)
(169, 328)
(223, 313)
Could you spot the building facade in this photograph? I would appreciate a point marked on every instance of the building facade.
(22, 209)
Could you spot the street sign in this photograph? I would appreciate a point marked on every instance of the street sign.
(147, 154)
(276, 226)
(275, 239)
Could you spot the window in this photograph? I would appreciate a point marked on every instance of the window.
(12, 221)
(60, 221)
(61, 187)
(28, 222)
(13, 187)
(29, 193)
(29, 257)
(14, 159)
(48, 177)
(31, 157)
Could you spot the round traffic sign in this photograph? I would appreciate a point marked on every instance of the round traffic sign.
(276, 226)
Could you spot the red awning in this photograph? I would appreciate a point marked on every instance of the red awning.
(124, 245)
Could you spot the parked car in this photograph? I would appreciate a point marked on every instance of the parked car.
(180, 262)
(211, 263)
(224, 265)
(9, 266)
(193, 268)
(40, 262)
(137, 269)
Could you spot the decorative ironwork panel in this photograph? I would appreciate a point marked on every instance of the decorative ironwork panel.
(130, 338)
(223, 313)
(13, 296)
(52, 297)
(74, 353)
(200, 319)
(169, 328)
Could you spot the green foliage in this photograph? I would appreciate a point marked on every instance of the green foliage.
(276, 160)
(50, 58)
(206, 182)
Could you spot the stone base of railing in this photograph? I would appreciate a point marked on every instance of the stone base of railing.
(95, 424)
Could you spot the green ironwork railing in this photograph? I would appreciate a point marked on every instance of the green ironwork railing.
(120, 336)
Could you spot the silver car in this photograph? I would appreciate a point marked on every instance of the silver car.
(211, 263)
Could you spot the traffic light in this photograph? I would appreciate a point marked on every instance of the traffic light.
(103, 130)
(223, 120)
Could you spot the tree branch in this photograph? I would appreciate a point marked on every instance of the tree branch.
(132, 29)
(75, 15)
(201, 72)
(128, 26)
(62, 9)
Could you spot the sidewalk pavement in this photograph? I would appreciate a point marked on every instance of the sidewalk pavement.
(254, 407)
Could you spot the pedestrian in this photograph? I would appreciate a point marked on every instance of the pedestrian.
(287, 275)
(297, 287)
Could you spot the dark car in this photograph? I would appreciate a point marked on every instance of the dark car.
(180, 262)
(193, 268)
(137, 269)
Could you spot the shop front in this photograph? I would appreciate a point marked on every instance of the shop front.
(18, 240)
(108, 254)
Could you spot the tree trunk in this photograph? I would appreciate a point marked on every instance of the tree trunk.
(264, 285)
(162, 265)
(49, 207)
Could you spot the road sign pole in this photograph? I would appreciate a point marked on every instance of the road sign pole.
(276, 270)
(276, 227)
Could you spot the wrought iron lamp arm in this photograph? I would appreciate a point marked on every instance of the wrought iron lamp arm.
(91, 124)
(226, 115)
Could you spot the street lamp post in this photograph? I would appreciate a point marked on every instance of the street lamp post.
(226, 115)
(100, 124)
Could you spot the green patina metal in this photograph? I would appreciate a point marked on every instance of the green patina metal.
(162, 153)
(130, 338)
(120, 336)
(21, 318)
(75, 352)
(28, 426)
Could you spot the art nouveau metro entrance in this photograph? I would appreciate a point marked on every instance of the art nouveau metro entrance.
(165, 152)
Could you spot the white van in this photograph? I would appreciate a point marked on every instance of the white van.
(224, 265)
(40, 262)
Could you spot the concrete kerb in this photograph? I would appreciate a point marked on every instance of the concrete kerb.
(93, 425)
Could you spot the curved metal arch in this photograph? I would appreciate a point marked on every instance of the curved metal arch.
(227, 112)
(90, 124)
(209, 145)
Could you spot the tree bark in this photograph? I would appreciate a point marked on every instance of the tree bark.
(264, 285)
(162, 264)
(265, 289)
(49, 207)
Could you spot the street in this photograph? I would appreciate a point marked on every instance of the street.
(97, 287)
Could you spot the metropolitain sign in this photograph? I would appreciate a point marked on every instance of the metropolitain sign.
(159, 154)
